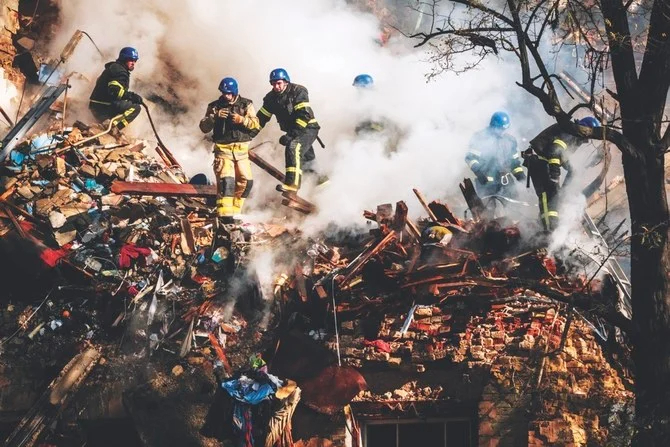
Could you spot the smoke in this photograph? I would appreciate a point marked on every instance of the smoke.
(187, 47)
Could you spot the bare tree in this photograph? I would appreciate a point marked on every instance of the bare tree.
(627, 41)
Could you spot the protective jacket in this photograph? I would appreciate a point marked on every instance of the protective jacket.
(225, 131)
(292, 109)
(113, 85)
(111, 98)
(494, 159)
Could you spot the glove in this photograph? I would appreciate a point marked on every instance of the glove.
(483, 179)
(223, 113)
(134, 97)
(520, 176)
(284, 140)
(207, 124)
(237, 119)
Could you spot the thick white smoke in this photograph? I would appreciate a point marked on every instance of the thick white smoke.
(186, 47)
(190, 45)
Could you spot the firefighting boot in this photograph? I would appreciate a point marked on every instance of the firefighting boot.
(286, 192)
(322, 180)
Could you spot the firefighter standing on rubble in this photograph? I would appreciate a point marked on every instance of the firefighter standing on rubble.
(111, 98)
(289, 102)
(365, 82)
(547, 154)
(233, 121)
(494, 159)
(380, 128)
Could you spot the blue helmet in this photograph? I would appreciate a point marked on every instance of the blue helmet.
(589, 121)
(279, 74)
(499, 120)
(128, 54)
(228, 85)
(363, 81)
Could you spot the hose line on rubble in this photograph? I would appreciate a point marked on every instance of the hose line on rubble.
(337, 332)
(167, 152)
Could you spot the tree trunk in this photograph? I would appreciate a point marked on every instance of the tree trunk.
(650, 269)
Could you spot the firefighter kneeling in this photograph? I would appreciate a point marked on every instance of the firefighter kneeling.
(548, 153)
(233, 121)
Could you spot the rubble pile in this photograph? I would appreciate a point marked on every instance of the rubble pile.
(470, 296)
(154, 263)
(156, 277)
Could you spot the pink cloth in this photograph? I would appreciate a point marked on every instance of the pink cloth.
(380, 345)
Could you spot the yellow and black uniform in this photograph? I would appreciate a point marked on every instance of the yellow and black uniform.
(232, 167)
(544, 159)
(296, 118)
(111, 98)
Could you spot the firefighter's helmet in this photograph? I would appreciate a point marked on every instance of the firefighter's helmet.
(128, 54)
(499, 120)
(363, 81)
(228, 85)
(279, 74)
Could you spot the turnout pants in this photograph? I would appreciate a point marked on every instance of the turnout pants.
(547, 189)
(299, 156)
(232, 169)
(121, 113)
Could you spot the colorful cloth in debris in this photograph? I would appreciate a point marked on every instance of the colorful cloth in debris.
(243, 425)
(249, 391)
(52, 257)
(129, 252)
(380, 345)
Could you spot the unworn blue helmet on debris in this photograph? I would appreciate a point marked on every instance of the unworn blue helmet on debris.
(128, 54)
(228, 85)
(363, 81)
(279, 74)
(500, 120)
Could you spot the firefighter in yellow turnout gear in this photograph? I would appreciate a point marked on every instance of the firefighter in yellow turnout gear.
(233, 121)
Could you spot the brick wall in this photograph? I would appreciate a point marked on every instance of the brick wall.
(11, 80)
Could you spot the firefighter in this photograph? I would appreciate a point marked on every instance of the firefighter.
(233, 120)
(376, 128)
(494, 159)
(365, 82)
(111, 98)
(289, 102)
(547, 154)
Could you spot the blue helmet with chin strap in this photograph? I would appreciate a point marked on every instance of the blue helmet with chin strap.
(500, 120)
(589, 121)
(363, 81)
(228, 85)
(128, 54)
(279, 74)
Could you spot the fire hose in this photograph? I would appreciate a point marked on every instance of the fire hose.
(162, 150)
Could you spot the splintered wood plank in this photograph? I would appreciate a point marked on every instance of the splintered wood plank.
(163, 189)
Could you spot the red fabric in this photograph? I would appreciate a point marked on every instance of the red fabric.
(129, 252)
(380, 345)
(51, 257)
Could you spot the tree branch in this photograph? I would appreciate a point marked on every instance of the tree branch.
(621, 50)
(465, 32)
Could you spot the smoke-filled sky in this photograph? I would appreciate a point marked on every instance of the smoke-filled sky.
(323, 44)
